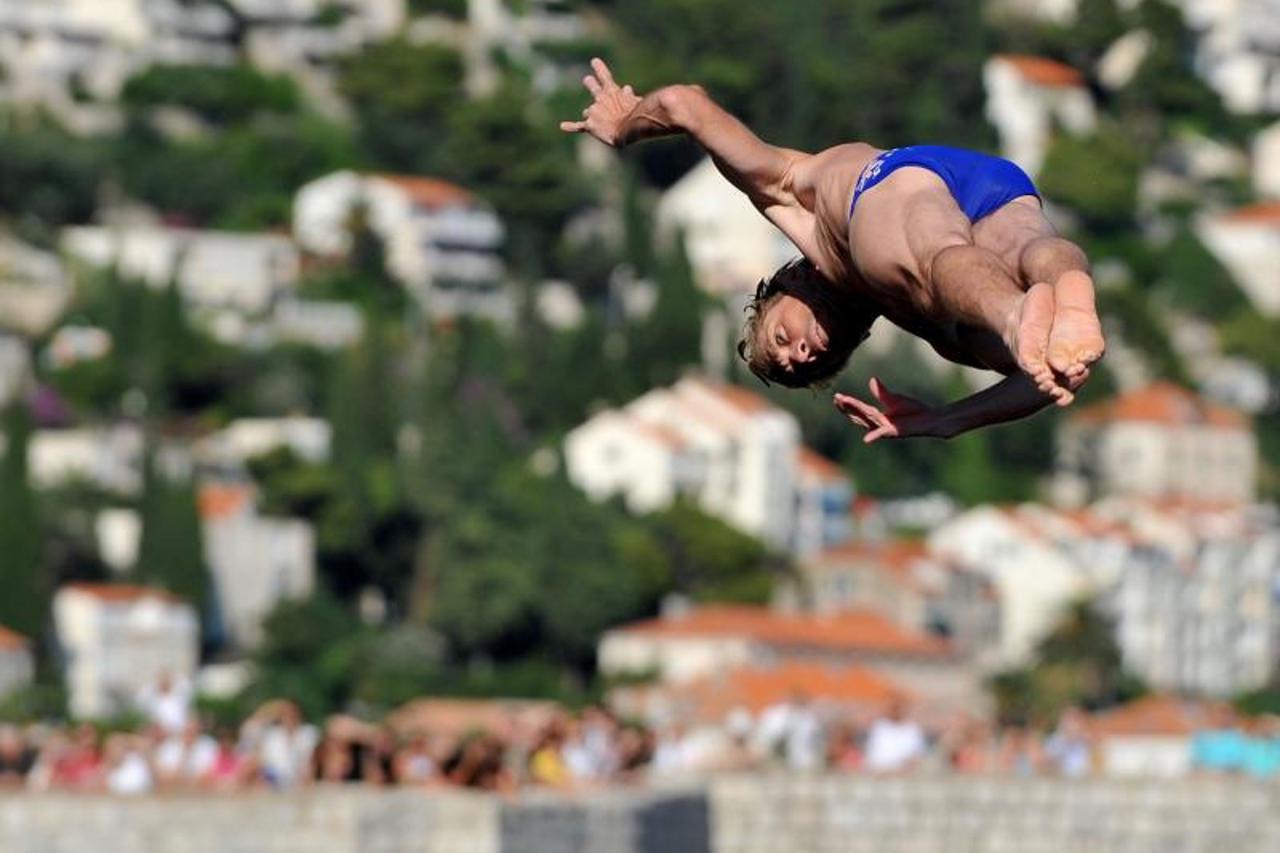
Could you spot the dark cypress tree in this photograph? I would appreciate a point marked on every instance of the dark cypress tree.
(24, 605)
(171, 552)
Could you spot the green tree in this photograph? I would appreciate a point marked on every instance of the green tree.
(1077, 663)
(221, 95)
(1095, 176)
(24, 607)
(171, 550)
(310, 652)
(403, 95)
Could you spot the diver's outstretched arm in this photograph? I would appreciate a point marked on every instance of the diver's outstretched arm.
(618, 117)
(899, 416)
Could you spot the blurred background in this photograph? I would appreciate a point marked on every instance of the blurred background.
(360, 425)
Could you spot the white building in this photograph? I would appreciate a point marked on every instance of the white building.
(1266, 162)
(1192, 590)
(17, 666)
(902, 579)
(212, 269)
(256, 562)
(117, 640)
(703, 643)
(1197, 607)
(50, 47)
(440, 240)
(109, 457)
(1160, 441)
(15, 369)
(323, 323)
(730, 245)
(1028, 98)
(35, 288)
(244, 438)
(1017, 550)
(1247, 242)
(727, 449)
(1237, 43)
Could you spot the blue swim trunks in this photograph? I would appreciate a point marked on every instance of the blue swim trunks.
(980, 183)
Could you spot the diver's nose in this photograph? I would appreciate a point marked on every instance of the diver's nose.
(802, 347)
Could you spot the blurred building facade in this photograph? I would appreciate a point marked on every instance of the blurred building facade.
(1028, 99)
(729, 450)
(440, 241)
(117, 640)
(17, 664)
(1160, 441)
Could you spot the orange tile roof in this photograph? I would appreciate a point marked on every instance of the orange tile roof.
(12, 641)
(430, 193)
(1164, 403)
(122, 593)
(222, 500)
(1266, 213)
(815, 465)
(663, 435)
(1042, 71)
(1153, 715)
(757, 688)
(735, 396)
(856, 631)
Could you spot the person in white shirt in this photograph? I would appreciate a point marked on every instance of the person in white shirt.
(894, 743)
(128, 772)
(166, 703)
(282, 742)
(186, 758)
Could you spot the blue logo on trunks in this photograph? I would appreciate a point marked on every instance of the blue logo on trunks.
(872, 170)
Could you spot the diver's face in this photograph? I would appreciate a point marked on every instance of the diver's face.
(792, 334)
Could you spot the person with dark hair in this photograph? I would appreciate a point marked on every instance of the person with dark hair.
(951, 245)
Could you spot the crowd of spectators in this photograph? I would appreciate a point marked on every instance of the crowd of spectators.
(276, 748)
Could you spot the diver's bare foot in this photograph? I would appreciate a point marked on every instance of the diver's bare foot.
(1076, 339)
(1029, 341)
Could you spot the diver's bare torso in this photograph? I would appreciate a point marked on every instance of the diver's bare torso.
(825, 184)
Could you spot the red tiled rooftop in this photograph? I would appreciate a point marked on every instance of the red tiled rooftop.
(815, 465)
(1043, 71)
(222, 500)
(430, 193)
(1164, 403)
(757, 688)
(741, 399)
(1152, 715)
(122, 593)
(1262, 213)
(11, 641)
(853, 631)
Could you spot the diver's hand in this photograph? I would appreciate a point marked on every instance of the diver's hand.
(610, 108)
(897, 416)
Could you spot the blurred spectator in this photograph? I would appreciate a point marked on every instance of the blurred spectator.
(186, 758)
(16, 758)
(546, 764)
(1069, 749)
(415, 762)
(673, 752)
(1261, 750)
(844, 752)
(478, 763)
(281, 742)
(1220, 747)
(971, 750)
(894, 742)
(793, 727)
(231, 767)
(166, 703)
(1021, 752)
(127, 770)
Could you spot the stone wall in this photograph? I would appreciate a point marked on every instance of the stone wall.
(850, 814)
(736, 814)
